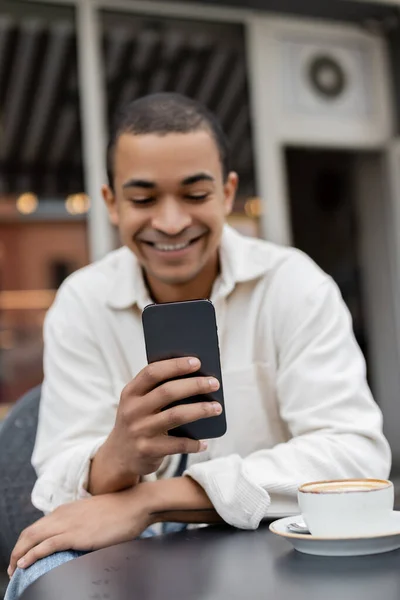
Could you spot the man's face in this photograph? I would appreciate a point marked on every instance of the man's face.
(170, 201)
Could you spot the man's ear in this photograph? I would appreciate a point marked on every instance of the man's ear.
(230, 188)
(111, 203)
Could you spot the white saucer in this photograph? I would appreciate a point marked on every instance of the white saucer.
(351, 546)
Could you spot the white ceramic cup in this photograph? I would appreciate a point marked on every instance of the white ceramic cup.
(347, 508)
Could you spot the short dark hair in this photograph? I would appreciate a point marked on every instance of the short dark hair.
(165, 113)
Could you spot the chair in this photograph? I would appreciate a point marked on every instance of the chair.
(17, 476)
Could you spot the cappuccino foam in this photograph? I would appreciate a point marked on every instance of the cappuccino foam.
(336, 487)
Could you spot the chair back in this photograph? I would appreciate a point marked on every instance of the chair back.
(17, 476)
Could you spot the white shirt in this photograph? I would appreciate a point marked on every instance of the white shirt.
(297, 403)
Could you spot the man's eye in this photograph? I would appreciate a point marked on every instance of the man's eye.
(142, 201)
(197, 196)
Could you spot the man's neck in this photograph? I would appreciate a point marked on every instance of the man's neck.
(199, 287)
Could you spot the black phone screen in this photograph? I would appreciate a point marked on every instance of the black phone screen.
(178, 329)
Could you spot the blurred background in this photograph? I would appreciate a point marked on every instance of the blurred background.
(308, 92)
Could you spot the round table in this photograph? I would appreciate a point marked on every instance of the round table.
(218, 563)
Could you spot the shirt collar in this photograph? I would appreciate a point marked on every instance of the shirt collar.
(127, 286)
(240, 257)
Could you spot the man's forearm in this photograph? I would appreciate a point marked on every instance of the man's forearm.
(106, 475)
(180, 500)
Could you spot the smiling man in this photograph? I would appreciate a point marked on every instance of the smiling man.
(297, 402)
(177, 249)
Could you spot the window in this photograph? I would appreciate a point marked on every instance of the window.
(41, 176)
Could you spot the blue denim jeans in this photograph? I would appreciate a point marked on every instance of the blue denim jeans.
(22, 578)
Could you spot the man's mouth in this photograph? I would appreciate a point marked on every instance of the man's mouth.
(163, 247)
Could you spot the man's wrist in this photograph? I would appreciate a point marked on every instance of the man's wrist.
(107, 474)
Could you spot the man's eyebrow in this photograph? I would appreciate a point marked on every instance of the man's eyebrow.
(195, 178)
(142, 183)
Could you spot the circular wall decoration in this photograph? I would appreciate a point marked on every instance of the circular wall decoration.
(327, 76)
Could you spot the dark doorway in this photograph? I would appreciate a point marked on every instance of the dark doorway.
(324, 222)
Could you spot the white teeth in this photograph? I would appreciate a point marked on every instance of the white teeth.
(170, 247)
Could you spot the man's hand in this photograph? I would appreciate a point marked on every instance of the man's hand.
(88, 524)
(139, 442)
(101, 521)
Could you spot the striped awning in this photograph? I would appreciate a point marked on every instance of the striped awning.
(40, 131)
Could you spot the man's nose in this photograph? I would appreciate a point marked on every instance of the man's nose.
(171, 217)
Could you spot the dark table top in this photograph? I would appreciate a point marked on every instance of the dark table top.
(218, 563)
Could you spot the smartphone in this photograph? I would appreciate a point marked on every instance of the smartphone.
(178, 329)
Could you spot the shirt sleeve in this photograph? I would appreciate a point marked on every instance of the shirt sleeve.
(324, 399)
(77, 407)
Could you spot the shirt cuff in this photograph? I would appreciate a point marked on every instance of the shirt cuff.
(65, 478)
(236, 498)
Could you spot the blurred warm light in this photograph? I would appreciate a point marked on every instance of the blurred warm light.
(253, 207)
(27, 203)
(26, 299)
(77, 204)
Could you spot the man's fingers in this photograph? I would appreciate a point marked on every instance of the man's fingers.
(44, 549)
(152, 375)
(183, 414)
(165, 445)
(171, 391)
(29, 538)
